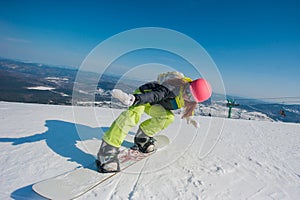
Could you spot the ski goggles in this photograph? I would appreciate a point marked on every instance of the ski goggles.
(189, 95)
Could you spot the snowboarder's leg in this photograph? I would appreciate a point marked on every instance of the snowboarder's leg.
(122, 125)
(161, 119)
(111, 142)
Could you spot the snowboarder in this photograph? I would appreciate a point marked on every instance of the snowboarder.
(171, 91)
(282, 113)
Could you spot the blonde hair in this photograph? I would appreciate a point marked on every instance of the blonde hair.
(189, 107)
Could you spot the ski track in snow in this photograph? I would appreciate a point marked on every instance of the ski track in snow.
(251, 159)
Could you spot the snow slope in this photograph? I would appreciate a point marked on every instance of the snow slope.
(223, 159)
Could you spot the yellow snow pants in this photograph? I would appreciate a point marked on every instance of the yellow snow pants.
(160, 119)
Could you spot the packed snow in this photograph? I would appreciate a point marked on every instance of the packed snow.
(223, 159)
(40, 88)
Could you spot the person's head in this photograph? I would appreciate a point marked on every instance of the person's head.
(198, 90)
(195, 91)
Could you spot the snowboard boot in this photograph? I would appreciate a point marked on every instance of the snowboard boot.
(108, 158)
(143, 142)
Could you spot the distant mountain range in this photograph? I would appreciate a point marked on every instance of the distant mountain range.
(35, 83)
(39, 83)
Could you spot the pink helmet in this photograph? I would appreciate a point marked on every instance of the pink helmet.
(200, 89)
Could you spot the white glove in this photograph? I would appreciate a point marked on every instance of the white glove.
(126, 99)
(190, 120)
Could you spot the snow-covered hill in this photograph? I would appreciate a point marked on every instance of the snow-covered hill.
(219, 109)
(223, 159)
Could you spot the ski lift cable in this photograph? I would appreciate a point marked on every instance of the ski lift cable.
(283, 100)
(262, 98)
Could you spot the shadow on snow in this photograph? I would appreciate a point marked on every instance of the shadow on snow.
(61, 137)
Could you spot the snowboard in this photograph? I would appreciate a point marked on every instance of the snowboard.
(77, 182)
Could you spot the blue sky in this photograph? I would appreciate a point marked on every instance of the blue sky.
(255, 44)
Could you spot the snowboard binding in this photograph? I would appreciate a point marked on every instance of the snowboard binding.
(143, 143)
(102, 169)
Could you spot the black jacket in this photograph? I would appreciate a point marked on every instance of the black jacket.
(155, 93)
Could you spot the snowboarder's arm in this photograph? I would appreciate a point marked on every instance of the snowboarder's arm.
(148, 87)
(152, 93)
